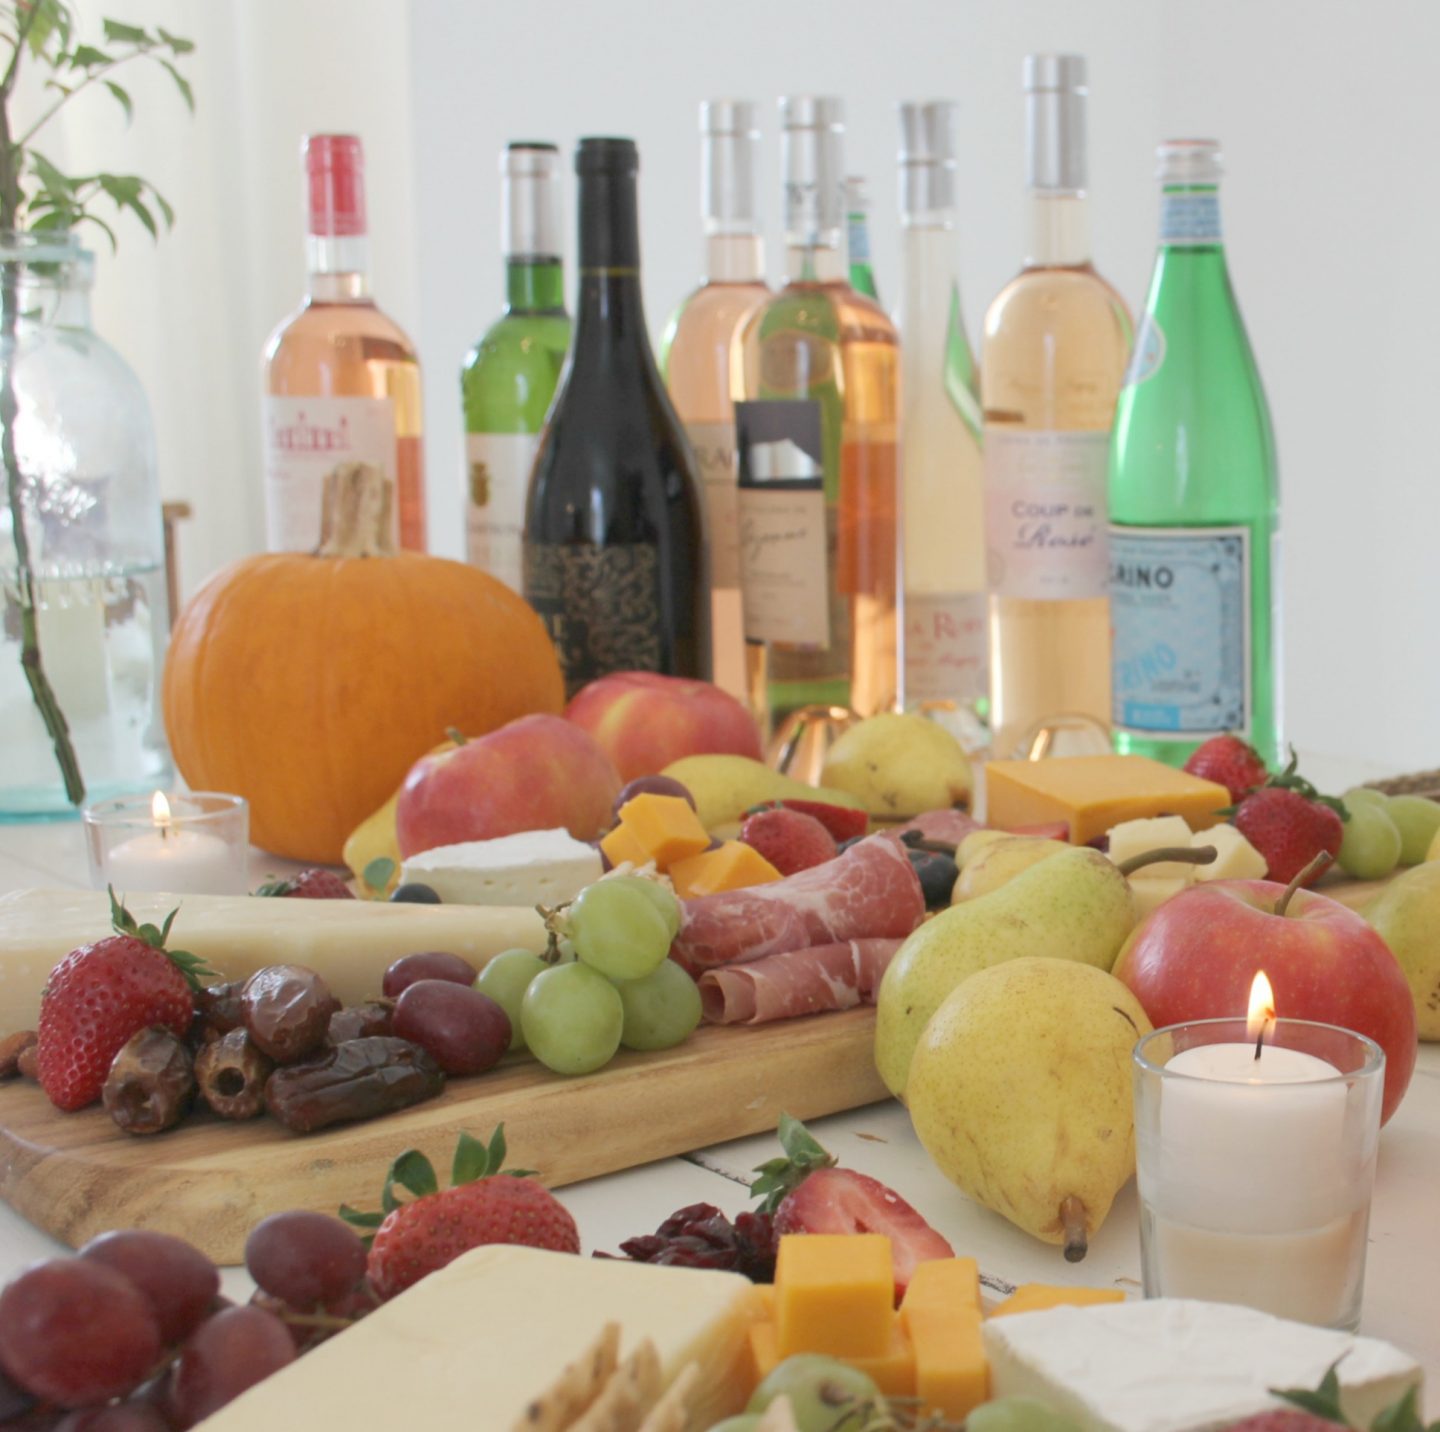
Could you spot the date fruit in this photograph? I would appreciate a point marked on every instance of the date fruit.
(287, 1011)
(231, 1073)
(12, 1047)
(150, 1083)
(360, 1021)
(431, 965)
(359, 1079)
(219, 1008)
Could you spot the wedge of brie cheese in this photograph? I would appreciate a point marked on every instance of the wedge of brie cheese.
(470, 1347)
(1174, 1365)
(534, 867)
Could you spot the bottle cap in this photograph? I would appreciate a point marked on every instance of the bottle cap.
(530, 199)
(604, 155)
(927, 155)
(1189, 161)
(335, 181)
(729, 154)
(813, 165)
(1055, 94)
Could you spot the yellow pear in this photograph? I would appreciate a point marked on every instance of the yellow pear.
(899, 765)
(725, 787)
(1407, 915)
(1021, 1093)
(1074, 906)
(978, 840)
(1000, 861)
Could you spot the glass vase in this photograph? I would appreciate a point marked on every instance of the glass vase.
(84, 457)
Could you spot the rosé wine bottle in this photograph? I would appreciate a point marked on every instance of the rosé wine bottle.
(340, 381)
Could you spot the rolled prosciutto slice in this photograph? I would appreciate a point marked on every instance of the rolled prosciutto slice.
(871, 891)
(815, 980)
(951, 826)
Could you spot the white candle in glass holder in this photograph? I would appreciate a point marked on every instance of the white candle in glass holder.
(173, 859)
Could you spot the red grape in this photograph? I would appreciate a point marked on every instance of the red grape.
(431, 965)
(305, 1258)
(652, 786)
(179, 1281)
(465, 1031)
(224, 1356)
(75, 1332)
(119, 1417)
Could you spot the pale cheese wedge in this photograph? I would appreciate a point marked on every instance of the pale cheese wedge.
(348, 943)
(1235, 857)
(473, 1345)
(1151, 894)
(1136, 837)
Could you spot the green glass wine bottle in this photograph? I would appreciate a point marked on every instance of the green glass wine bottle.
(510, 375)
(1194, 505)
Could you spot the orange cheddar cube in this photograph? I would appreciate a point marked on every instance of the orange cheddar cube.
(943, 1283)
(835, 1294)
(893, 1369)
(666, 827)
(951, 1374)
(1037, 1297)
(1093, 793)
(732, 867)
(621, 845)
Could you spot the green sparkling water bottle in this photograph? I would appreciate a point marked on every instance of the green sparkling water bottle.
(1194, 507)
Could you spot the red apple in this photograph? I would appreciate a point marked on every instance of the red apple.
(537, 773)
(1195, 957)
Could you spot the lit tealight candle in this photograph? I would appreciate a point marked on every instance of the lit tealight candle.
(173, 858)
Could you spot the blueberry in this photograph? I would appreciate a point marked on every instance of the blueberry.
(414, 893)
(938, 874)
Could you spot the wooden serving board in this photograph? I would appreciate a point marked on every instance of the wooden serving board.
(76, 1175)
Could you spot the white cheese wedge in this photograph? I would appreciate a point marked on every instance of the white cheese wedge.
(1151, 894)
(348, 942)
(1173, 1365)
(1135, 837)
(1235, 857)
(534, 867)
(469, 1347)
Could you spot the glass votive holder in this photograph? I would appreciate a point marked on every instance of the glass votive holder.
(183, 843)
(1255, 1173)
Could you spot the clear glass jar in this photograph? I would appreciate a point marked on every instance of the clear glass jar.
(85, 453)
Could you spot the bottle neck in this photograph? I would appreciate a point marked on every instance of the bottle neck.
(1190, 217)
(734, 258)
(534, 284)
(1059, 230)
(338, 268)
(815, 263)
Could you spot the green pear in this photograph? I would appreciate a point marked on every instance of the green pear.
(899, 765)
(1000, 862)
(1407, 916)
(725, 787)
(1074, 906)
(1021, 1093)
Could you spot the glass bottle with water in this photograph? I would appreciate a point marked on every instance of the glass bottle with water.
(86, 458)
(1194, 506)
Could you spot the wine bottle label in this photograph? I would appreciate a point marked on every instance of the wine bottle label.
(784, 576)
(1180, 604)
(1148, 353)
(1045, 515)
(601, 606)
(1190, 217)
(947, 649)
(497, 479)
(303, 439)
(714, 447)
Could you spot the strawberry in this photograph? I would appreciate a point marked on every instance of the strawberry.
(313, 884)
(1231, 762)
(100, 995)
(788, 839)
(483, 1205)
(808, 1194)
(842, 822)
(1289, 830)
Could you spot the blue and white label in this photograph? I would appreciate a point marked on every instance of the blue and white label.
(1148, 353)
(1180, 606)
(1190, 216)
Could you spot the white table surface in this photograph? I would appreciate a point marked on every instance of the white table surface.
(1402, 1291)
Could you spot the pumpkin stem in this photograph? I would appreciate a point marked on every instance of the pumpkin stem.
(355, 512)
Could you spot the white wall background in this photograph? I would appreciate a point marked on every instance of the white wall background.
(1327, 109)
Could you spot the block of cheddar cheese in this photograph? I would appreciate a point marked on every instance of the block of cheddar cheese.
(1092, 793)
(620, 846)
(1037, 1297)
(943, 1283)
(952, 1376)
(665, 827)
(894, 1369)
(733, 867)
(835, 1294)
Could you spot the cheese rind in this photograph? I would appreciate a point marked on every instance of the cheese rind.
(1093, 793)
(470, 1346)
(532, 867)
(348, 942)
(1175, 1365)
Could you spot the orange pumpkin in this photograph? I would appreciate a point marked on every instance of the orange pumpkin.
(310, 683)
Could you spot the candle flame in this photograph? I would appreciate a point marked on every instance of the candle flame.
(160, 810)
(1262, 1007)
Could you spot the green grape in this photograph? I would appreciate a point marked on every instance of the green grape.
(618, 929)
(1017, 1414)
(661, 896)
(572, 1016)
(1365, 795)
(505, 979)
(661, 1009)
(826, 1395)
(1417, 820)
(1370, 847)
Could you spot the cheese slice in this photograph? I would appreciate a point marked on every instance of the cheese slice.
(1138, 837)
(1174, 1365)
(1092, 793)
(533, 867)
(1235, 857)
(469, 1347)
(348, 943)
